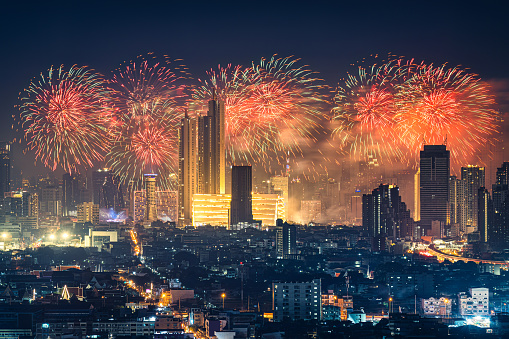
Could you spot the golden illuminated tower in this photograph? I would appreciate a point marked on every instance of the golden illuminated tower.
(187, 170)
(417, 195)
(150, 192)
(212, 150)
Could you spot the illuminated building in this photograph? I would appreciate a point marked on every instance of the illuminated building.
(485, 212)
(286, 241)
(417, 195)
(107, 190)
(311, 210)
(214, 209)
(187, 170)
(356, 208)
(457, 202)
(297, 300)
(88, 212)
(72, 189)
(139, 205)
(150, 195)
(280, 184)
(503, 174)
(475, 178)
(167, 205)
(51, 201)
(5, 167)
(33, 203)
(268, 208)
(434, 185)
(477, 304)
(211, 149)
(17, 203)
(211, 209)
(242, 199)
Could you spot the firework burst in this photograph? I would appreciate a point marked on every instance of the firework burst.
(365, 110)
(440, 105)
(63, 114)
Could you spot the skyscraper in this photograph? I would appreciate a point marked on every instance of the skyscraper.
(434, 190)
(457, 202)
(187, 170)
(5, 168)
(242, 199)
(107, 190)
(71, 194)
(380, 212)
(211, 149)
(485, 212)
(474, 179)
(150, 194)
(503, 174)
(280, 184)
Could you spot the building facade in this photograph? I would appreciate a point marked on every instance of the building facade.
(297, 300)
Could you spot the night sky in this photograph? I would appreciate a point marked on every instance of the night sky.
(327, 36)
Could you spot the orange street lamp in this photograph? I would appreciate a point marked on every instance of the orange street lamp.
(223, 296)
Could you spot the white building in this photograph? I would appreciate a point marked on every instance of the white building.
(477, 304)
(436, 307)
(298, 301)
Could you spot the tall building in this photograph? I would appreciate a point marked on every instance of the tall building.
(499, 234)
(242, 198)
(150, 193)
(50, 202)
(88, 212)
(380, 212)
(457, 202)
(474, 178)
(139, 203)
(297, 300)
(417, 195)
(286, 241)
(485, 212)
(17, 203)
(33, 203)
(211, 149)
(71, 193)
(5, 168)
(281, 186)
(107, 190)
(211, 209)
(311, 210)
(187, 170)
(502, 177)
(434, 189)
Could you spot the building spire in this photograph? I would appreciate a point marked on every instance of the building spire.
(186, 114)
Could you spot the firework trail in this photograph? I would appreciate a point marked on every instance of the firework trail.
(365, 110)
(63, 114)
(440, 105)
(271, 107)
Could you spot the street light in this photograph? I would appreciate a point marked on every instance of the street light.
(223, 296)
(390, 304)
(65, 235)
(446, 308)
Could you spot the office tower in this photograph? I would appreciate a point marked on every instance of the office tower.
(380, 212)
(167, 206)
(211, 149)
(268, 208)
(286, 241)
(499, 234)
(88, 212)
(475, 178)
(33, 202)
(50, 202)
(434, 190)
(457, 202)
(242, 199)
(211, 209)
(485, 212)
(5, 168)
(71, 193)
(139, 205)
(150, 193)
(187, 170)
(297, 300)
(107, 190)
(417, 195)
(502, 177)
(281, 186)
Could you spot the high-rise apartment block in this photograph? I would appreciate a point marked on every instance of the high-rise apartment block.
(5, 168)
(187, 170)
(242, 197)
(474, 178)
(286, 241)
(88, 212)
(150, 196)
(458, 202)
(434, 185)
(297, 300)
(280, 186)
(107, 190)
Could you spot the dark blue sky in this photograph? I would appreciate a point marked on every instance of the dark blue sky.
(328, 36)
